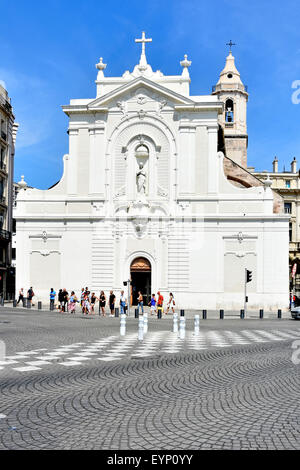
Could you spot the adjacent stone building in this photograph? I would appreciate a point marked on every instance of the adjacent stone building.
(8, 131)
(287, 184)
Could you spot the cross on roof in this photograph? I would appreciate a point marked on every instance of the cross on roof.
(230, 44)
(143, 40)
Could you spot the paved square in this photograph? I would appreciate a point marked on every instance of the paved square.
(71, 382)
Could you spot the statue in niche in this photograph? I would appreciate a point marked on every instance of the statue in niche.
(141, 177)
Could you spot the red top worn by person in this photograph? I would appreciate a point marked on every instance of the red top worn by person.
(160, 299)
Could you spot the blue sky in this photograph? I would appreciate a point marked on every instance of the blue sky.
(49, 50)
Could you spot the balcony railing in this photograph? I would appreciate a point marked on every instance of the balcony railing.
(5, 235)
(229, 86)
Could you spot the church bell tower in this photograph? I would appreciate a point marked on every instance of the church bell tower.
(233, 93)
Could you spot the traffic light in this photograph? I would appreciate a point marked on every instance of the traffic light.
(249, 275)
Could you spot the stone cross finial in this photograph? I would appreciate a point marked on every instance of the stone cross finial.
(143, 40)
(143, 61)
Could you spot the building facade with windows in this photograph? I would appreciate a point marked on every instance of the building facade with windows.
(287, 184)
(146, 195)
(8, 131)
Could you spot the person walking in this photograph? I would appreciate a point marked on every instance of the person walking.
(102, 300)
(72, 302)
(93, 301)
(86, 305)
(30, 295)
(160, 303)
(123, 302)
(82, 297)
(65, 296)
(171, 303)
(21, 295)
(152, 304)
(140, 302)
(112, 300)
(52, 298)
(60, 299)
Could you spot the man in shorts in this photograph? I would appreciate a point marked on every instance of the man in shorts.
(152, 304)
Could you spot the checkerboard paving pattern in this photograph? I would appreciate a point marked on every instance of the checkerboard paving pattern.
(116, 348)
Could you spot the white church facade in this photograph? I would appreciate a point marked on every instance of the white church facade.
(144, 196)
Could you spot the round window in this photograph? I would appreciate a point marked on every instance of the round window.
(229, 75)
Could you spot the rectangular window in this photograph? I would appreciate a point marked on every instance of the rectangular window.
(287, 207)
(13, 254)
(290, 231)
(287, 183)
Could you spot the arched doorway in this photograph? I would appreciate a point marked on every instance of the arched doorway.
(140, 274)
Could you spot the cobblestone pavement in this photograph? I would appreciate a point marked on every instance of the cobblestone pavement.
(73, 383)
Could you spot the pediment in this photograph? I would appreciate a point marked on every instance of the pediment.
(141, 91)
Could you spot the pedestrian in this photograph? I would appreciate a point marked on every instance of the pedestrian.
(112, 300)
(65, 296)
(171, 303)
(102, 300)
(152, 304)
(82, 297)
(21, 295)
(123, 302)
(86, 305)
(52, 298)
(160, 303)
(72, 302)
(93, 301)
(30, 295)
(140, 302)
(60, 300)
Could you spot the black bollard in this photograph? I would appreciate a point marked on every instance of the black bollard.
(159, 313)
(204, 314)
(279, 313)
(116, 312)
(1, 301)
(242, 314)
(136, 313)
(182, 313)
(14, 303)
(24, 303)
(51, 306)
(39, 305)
(28, 303)
(221, 314)
(261, 314)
